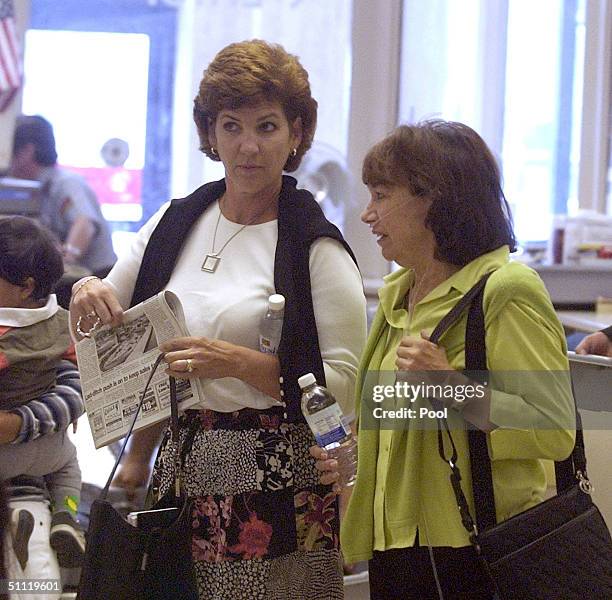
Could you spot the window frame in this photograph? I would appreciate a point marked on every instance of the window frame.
(596, 108)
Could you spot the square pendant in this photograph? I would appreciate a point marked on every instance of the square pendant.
(210, 263)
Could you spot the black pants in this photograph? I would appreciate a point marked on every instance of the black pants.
(407, 574)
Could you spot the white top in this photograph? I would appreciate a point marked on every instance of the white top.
(229, 303)
(23, 317)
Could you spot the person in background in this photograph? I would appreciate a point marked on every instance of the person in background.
(69, 207)
(437, 209)
(34, 338)
(224, 250)
(599, 342)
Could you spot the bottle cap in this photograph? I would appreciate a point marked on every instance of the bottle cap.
(305, 380)
(276, 302)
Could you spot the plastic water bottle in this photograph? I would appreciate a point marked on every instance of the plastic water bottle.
(329, 427)
(271, 325)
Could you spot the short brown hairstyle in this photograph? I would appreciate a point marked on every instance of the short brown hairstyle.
(247, 73)
(450, 164)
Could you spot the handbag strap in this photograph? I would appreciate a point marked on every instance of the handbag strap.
(480, 464)
(454, 314)
(575, 465)
(174, 427)
(475, 368)
(566, 471)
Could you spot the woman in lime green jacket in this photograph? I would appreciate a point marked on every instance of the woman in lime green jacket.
(438, 210)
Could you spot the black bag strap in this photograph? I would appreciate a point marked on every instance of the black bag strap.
(454, 314)
(567, 472)
(475, 367)
(174, 427)
(480, 464)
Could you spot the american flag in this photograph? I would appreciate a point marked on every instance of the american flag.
(10, 65)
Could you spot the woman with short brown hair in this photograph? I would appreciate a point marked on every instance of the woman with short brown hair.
(244, 75)
(263, 525)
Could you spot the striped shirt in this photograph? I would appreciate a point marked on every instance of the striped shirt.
(55, 409)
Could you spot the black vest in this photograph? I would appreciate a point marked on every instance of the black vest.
(300, 222)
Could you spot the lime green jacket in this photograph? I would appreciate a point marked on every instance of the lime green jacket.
(402, 483)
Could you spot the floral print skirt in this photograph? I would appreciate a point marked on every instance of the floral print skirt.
(263, 525)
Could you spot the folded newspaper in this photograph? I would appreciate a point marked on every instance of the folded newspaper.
(115, 364)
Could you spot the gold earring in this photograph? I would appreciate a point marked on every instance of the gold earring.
(293, 153)
(213, 151)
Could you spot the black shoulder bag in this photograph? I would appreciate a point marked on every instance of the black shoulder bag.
(124, 562)
(560, 548)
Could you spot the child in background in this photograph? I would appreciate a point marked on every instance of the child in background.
(34, 338)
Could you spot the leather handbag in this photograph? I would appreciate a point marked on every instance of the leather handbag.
(124, 562)
(558, 549)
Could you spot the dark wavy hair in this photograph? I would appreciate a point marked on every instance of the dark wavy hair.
(37, 131)
(247, 73)
(450, 164)
(28, 250)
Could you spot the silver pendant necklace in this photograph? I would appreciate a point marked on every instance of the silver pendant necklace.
(212, 259)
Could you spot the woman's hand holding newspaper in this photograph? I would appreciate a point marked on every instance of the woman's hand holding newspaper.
(93, 302)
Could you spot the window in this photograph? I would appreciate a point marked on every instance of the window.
(99, 95)
(512, 70)
(542, 112)
(439, 62)
(102, 70)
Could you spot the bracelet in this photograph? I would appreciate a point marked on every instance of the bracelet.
(84, 282)
(87, 334)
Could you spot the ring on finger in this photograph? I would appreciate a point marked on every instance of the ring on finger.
(189, 365)
(92, 314)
